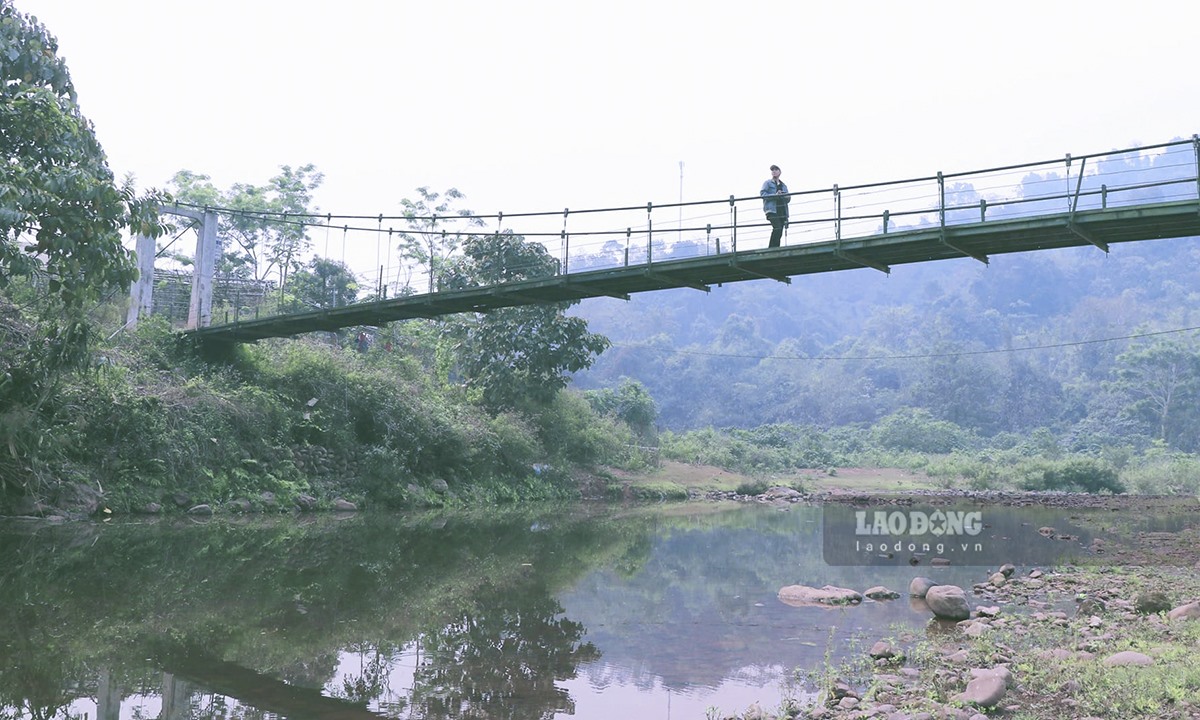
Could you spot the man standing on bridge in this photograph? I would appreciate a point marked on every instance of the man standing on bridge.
(775, 205)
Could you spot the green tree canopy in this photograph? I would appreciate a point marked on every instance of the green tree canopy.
(518, 356)
(1160, 383)
(262, 239)
(62, 215)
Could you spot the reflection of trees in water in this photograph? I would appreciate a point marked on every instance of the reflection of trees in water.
(501, 662)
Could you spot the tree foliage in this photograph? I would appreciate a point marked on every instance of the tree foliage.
(435, 230)
(1160, 383)
(62, 214)
(510, 358)
(519, 356)
(322, 284)
(262, 239)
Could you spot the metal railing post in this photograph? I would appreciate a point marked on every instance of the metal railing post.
(707, 238)
(628, 237)
(649, 234)
(1196, 152)
(837, 214)
(941, 201)
(733, 221)
(566, 240)
(1069, 208)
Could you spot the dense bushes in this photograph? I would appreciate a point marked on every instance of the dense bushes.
(153, 422)
(1034, 464)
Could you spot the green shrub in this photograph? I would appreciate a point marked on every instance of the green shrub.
(917, 430)
(1075, 474)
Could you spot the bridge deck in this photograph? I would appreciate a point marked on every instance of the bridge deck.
(882, 251)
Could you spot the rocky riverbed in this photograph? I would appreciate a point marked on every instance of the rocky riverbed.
(1117, 636)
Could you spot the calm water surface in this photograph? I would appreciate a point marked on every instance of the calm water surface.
(551, 612)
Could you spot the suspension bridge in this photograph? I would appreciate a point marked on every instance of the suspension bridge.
(1099, 200)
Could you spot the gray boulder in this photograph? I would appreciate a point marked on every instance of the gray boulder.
(949, 602)
(986, 691)
(829, 595)
(920, 586)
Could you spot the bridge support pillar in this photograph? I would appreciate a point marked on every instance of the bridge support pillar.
(200, 307)
(141, 290)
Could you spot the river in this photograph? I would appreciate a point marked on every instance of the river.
(582, 611)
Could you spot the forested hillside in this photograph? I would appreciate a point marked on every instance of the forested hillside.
(1115, 357)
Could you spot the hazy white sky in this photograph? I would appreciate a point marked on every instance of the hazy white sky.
(540, 105)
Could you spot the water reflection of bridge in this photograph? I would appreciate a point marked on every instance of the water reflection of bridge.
(1101, 199)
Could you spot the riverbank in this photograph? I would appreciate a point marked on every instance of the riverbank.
(1114, 642)
(1115, 636)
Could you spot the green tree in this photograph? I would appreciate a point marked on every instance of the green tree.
(267, 233)
(516, 357)
(62, 216)
(62, 213)
(1160, 383)
(631, 403)
(435, 231)
(322, 284)
(511, 358)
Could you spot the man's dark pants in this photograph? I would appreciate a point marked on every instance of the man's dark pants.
(777, 222)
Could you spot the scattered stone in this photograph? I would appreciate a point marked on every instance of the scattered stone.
(342, 505)
(999, 671)
(976, 629)
(1129, 657)
(986, 691)
(879, 592)
(152, 508)
(440, 486)
(948, 601)
(306, 503)
(200, 510)
(268, 499)
(782, 493)
(1151, 602)
(1046, 531)
(1008, 569)
(848, 703)
(884, 650)
(920, 586)
(998, 579)
(1035, 574)
(829, 595)
(240, 505)
(77, 498)
(1191, 611)
(987, 611)
(939, 562)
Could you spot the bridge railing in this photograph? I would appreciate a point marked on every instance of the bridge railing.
(602, 238)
